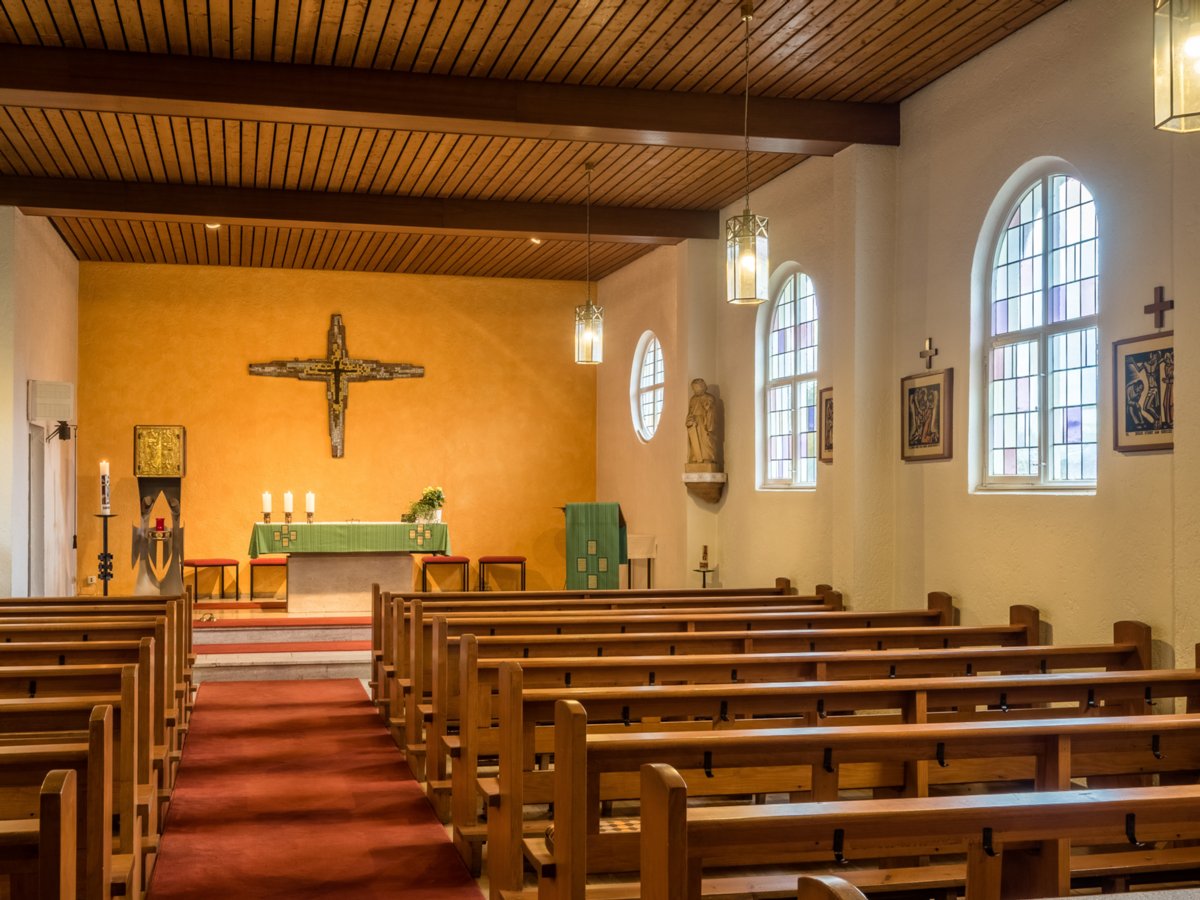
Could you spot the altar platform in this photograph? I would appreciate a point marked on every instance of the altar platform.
(332, 565)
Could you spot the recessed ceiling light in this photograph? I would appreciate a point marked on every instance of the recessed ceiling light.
(213, 226)
(537, 242)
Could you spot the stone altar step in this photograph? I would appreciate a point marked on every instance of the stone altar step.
(282, 648)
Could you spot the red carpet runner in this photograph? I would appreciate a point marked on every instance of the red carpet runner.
(294, 789)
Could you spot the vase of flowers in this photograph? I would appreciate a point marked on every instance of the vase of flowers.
(427, 508)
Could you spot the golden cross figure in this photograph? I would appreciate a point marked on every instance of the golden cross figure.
(929, 353)
(1159, 307)
(337, 370)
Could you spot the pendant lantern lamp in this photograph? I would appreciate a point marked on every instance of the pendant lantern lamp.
(589, 318)
(1177, 65)
(747, 265)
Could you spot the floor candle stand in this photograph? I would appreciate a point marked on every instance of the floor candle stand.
(106, 568)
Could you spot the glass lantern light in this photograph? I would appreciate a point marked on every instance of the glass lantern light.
(1177, 65)
(589, 318)
(747, 263)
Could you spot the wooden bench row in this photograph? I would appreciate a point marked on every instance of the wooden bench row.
(819, 763)
(430, 666)
(63, 658)
(1016, 845)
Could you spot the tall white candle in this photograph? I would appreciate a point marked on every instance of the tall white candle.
(266, 501)
(310, 502)
(105, 489)
(287, 501)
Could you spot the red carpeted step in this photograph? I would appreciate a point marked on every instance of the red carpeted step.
(290, 647)
(285, 622)
(296, 790)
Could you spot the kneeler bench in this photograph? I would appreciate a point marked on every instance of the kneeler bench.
(270, 562)
(462, 561)
(485, 561)
(214, 563)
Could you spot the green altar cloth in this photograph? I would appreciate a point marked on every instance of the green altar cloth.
(348, 537)
(596, 546)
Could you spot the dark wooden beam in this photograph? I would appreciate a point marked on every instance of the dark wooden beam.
(322, 95)
(369, 212)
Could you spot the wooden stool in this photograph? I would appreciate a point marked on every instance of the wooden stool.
(197, 564)
(269, 562)
(485, 561)
(464, 561)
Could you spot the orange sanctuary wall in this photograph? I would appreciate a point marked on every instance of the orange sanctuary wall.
(503, 419)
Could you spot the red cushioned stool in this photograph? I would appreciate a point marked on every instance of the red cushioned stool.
(197, 564)
(269, 562)
(485, 561)
(464, 561)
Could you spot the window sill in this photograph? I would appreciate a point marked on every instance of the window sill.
(787, 488)
(1028, 490)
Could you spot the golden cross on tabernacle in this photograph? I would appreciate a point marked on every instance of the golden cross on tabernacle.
(928, 353)
(1159, 307)
(337, 370)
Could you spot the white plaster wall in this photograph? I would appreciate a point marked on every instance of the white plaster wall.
(764, 534)
(644, 476)
(1077, 85)
(38, 340)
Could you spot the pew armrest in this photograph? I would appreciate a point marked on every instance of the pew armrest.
(452, 744)
(489, 789)
(537, 854)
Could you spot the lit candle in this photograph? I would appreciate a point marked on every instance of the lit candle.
(105, 489)
(266, 501)
(310, 502)
(287, 501)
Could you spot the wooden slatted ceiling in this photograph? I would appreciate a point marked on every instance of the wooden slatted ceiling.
(111, 240)
(845, 50)
(821, 49)
(180, 150)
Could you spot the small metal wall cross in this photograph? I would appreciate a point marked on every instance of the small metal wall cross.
(337, 370)
(929, 353)
(1159, 307)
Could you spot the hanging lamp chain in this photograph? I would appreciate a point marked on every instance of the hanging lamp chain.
(747, 16)
(588, 227)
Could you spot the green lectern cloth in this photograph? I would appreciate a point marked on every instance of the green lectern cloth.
(348, 537)
(596, 546)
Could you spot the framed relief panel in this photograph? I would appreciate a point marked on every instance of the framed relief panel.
(1144, 393)
(825, 425)
(926, 410)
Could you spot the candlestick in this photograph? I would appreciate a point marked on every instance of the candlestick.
(310, 518)
(310, 503)
(704, 557)
(105, 489)
(287, 501)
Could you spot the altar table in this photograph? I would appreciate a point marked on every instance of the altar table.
(332, 565)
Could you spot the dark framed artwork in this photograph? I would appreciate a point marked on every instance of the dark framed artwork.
(926, 415)
(1144, 393)
(825, 425)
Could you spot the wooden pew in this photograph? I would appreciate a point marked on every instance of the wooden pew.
(44, 841)
(414, 690)
(447, 687)
(119, 604)
(66, 720)
(1015, 844)
(169, 691)
(390, 611)
(590, 769)
(97, 868)
(519, 734)
(30, 665)
(480, 678)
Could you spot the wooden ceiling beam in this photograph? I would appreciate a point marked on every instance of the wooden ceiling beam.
(370, 212)
(156, 84)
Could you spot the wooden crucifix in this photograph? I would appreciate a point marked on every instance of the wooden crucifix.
(929, 353)
(337, 370)
(1159, 307)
